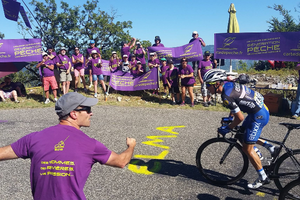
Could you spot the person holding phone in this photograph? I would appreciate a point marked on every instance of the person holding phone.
(140, 55)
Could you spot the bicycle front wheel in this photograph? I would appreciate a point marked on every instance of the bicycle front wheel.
(291, 191)
(286, 169)
(221, 162)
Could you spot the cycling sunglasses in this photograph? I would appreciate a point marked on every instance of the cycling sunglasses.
(85, 108)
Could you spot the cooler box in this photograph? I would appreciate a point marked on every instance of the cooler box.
(273, 102)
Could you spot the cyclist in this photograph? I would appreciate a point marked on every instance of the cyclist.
(239, 98)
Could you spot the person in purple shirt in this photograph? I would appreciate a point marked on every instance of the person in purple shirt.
(157, 42)
(89, 56)
(78, 62)
(153, 62)
(114, 62)
(204, 66)
(63, 62)
(133, 65)
(163, 70)
(195, 36)
(140, 55)
(47, 68)
(96, 65)
(186, 74)
(62, 156)
(172, 81)
(53, 56)
(126, 48)
(296, 113)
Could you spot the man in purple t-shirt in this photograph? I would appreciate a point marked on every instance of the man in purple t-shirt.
(195, 36)
(47, 68)
(62, 156)
(78, 62)
(125, 50)
(157, 42)
(63, 62)
(204, 66)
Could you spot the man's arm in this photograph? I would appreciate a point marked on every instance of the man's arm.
(122, 159)
(7, 153)
(133, 43)
(238, 118)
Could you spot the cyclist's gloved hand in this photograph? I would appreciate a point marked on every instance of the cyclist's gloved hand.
(227, 119)
(224, 130)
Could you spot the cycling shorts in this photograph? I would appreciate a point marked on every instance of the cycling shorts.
(253, 125)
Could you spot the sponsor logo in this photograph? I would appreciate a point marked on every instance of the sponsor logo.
(247, 103)
(237, 87)
(259, 117)
(60, 146)
(226, 102)
(254, 131)
(228, 41)
(1, 45)
(188, 48)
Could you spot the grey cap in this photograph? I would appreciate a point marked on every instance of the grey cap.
(68, 102)
(63, 48)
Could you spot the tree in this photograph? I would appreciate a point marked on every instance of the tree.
(1, 35)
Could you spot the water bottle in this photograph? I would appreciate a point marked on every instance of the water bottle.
(258, 153)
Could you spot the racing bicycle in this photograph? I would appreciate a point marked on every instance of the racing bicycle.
(222, 161)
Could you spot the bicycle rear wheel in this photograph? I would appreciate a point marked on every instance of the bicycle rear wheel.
(291, 191)
(286, 170)
(209, 161)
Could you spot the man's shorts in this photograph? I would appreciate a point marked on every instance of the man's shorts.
(50, 81)
(204, 90)
(96, 77)
(65, 77)
(253, 125)
(8, 95)
(174, 90)
(79, 72)
(57, 75)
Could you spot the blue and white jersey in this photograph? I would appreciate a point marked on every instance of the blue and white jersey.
(238, 97)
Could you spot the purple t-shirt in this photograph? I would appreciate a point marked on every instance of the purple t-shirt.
(63, 60)
(114, 64)
(125, 51)
(158, 45)
(172, 76)
(163, 74)
(89, 51)
(189, 80)
(61, 161)
(205, 66)
(96, 69)
(199, 38)
(134, 69)
(153, 62)
(140, 56)
(46, 71)
(78, 66)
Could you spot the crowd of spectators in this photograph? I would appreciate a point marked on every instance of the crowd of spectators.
(55, 70)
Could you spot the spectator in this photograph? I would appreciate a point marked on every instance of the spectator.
(172, 81)
(153, 62)
(96, 65)
(65, 143)
(163, 70)
(78, 62)
(140, 55)
(186, 74)
(53, 56)
(114, 62)
(204, 66)
(89, 56)
(195, 36)
(125, 64)
(297, 100)
(157, 42)
(139, 67)
(64, 64)
(47, 68)
(133, 65)
(8, 90)
(126, 48)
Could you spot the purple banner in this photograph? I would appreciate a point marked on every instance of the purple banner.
(20, 50)
(282, 46)
(11, 9)
(24, 16)
(127, 82)
(191, 51)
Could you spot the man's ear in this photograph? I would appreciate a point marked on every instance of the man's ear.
(73, 115)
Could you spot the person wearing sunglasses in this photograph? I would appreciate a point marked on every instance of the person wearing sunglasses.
(186, 74)
(62, 156)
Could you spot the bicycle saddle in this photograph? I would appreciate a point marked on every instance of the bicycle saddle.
(291, 126)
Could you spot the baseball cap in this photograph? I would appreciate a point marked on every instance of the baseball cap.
(94, 51)
(138, 62)
(44, 54)
(195, 33)
(170, 61)
(62, 48)
(125, 55)
(152, 54)
(207, 53)
(92, 41)
(163, 59)
(68, 102)
(138, 43)
(113, 52)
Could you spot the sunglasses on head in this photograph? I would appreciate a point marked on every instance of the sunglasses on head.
(86, 108)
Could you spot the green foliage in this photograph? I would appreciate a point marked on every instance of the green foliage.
(1, 36)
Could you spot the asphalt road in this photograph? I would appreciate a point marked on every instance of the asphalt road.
(162, 170)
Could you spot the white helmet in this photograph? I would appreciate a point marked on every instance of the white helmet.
(215, 75)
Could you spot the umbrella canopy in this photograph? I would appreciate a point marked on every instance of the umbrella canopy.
(233, 25)
(11, 67)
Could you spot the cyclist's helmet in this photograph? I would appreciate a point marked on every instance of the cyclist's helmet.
(214, 75)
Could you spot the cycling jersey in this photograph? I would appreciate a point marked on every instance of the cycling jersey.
(237, 98)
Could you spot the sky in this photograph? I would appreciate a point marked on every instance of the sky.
(175, 20)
